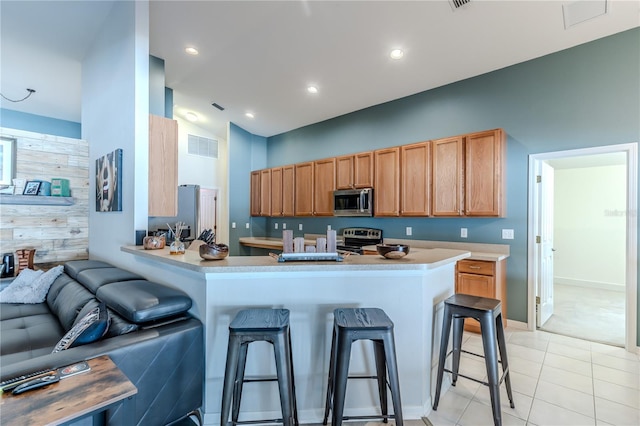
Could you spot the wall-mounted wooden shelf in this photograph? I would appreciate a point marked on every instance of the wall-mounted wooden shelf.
(36, 200)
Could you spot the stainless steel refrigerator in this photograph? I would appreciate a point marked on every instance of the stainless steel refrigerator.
(188, 212)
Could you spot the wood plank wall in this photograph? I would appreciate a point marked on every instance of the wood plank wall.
(58, 233)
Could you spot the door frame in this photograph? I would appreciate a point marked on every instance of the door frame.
(631, 284)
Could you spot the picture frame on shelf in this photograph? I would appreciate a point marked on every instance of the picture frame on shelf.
(31, 187)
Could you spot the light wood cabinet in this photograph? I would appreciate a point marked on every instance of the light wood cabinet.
(484, 190)
(323, 186)
(354, 171)
(255, 193)
(415, 184)
(276, 191)
(265, 192)
(447, 176)
(386, 194)
(303, 200)
(288, 191)
(163, 166)
(485, 279)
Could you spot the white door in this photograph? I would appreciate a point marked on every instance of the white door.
(545, 246)
(208, 206)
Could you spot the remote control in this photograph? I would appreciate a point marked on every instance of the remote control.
(36, 383)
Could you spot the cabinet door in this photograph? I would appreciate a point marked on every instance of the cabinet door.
(163, 166)
(265, 192)
(304, 189)
(344, 172)
(484, 174)
(288, 191)
(387, 182)
(255, 193)
(475, 285)
(276, 191)
(324, 185)
(363, 170)
(415, 184)
(447, 176)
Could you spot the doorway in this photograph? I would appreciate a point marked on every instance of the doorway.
(583, 243)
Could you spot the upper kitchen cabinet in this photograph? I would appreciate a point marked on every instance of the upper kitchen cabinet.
(288, 191)
(265, 192)
(276, 191)
(354, 171)
(255, 193)
(323, 186)
(163, 166)
(447, 176)
(415, 184)
(484, 190)
(303, 199)
(386, 194)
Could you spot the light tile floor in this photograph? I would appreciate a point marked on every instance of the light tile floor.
(556, 380)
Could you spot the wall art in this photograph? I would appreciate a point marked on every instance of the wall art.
(109, 182)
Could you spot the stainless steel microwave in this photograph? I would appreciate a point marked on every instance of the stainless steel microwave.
(353, 202)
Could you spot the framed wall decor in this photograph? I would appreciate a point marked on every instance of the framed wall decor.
(32, 187)
(7, 160)
(109, 182)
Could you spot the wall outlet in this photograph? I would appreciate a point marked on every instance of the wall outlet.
(284, 226)
(246, 225)
(463, 232)
(507, 234)
(299, 227)
(233, 225)
(409, 230)
(275, 226)
(328, 227)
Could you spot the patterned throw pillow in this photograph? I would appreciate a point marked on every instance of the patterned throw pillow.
(89, 328)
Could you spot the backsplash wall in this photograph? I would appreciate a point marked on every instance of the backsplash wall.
(58, 233)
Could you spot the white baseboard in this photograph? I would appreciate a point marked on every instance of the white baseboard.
(590, 284)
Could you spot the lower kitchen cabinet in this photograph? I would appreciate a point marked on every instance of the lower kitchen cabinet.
(485, 279)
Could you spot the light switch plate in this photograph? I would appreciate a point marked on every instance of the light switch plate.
(246, 225)
(507, 234)
(233, 225)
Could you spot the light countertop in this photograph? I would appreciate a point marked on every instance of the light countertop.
(479, 251)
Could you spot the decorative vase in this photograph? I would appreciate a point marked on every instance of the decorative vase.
(153, 242)
(176, 247)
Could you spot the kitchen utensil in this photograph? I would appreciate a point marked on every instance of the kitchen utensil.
(392, 251)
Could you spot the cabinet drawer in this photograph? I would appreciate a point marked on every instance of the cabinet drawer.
(479, 267)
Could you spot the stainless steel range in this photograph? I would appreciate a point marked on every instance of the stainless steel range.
(356, 238)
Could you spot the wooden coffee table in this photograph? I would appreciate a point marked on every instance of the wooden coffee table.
(73, 398)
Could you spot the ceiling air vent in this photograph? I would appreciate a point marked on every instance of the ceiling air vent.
(204, 147)
(456, 4)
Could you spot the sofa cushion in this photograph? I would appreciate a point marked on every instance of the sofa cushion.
(19, 310)
(94, 278)
(74, 267)
(67, 301)
(26, 334)
(141, 301)
(89, 328)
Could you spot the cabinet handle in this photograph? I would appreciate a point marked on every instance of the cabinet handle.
(474, 267)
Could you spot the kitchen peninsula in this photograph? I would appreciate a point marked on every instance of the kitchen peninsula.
(410, 290)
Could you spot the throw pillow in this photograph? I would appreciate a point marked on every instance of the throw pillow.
(88, 329)
(19, 289)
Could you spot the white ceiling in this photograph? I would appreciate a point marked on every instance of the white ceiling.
(259, 56)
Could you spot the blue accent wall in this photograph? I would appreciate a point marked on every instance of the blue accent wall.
(39, 124)
(582, 97)
(157, 103)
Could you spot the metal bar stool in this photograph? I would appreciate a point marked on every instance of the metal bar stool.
(252, 325)
(350, 325)
(489, 313)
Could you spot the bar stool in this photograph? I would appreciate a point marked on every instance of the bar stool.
(489, 313)
(252, 325)
(350, 325)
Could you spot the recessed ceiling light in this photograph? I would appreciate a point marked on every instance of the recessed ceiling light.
(191, 116)
(191, 50)
(249, 115)
(312, 89)
(396, 54)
